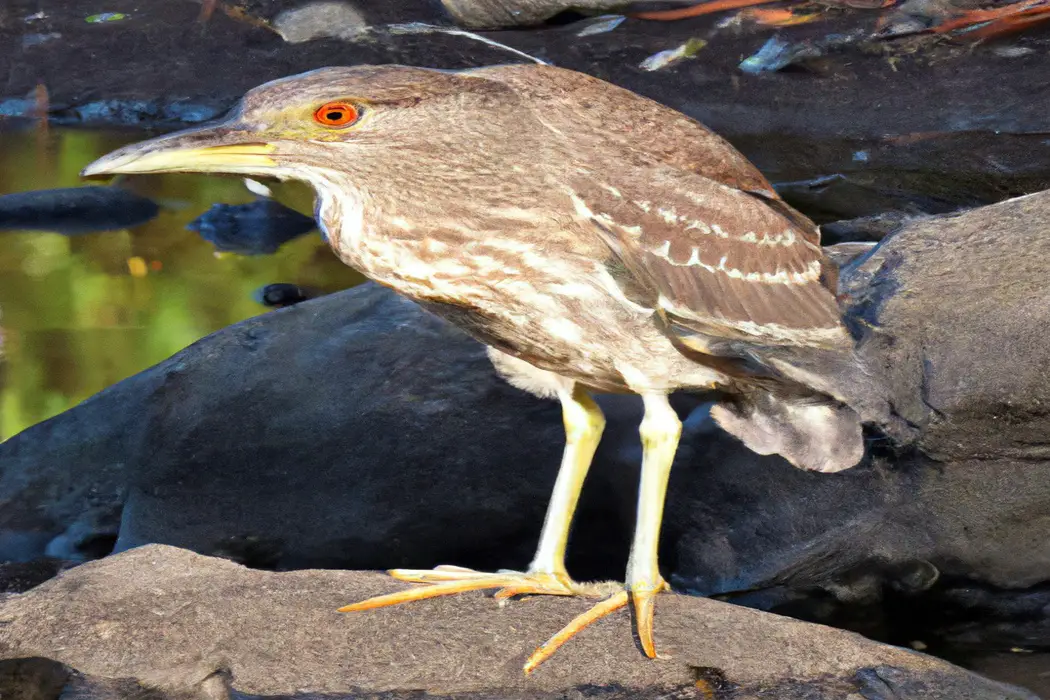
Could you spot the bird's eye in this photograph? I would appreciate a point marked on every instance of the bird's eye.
(336, 114)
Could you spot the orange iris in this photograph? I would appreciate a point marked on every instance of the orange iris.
(336, 114)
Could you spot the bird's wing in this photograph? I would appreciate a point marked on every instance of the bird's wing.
(714, 260)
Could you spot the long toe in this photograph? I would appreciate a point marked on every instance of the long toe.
(602, 609)
(449, 580)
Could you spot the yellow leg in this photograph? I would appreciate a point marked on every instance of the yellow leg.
(584, 424)
(547, 574)
(660, 431)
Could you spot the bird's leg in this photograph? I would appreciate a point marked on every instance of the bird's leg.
(584, 424)
(660, 431)
(547, 574)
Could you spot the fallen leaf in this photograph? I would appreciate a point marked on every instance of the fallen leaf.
(777, 16)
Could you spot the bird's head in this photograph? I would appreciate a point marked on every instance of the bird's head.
(351, 123)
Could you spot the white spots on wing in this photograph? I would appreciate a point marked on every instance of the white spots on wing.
(644, 206)
(695, 198)
(787, 238)
(700, 226)
(507, 244)
(488, 266)
(668, 215)
(801, 336)
(516, 214)
(780, 276)
(563, 329)
(775, 332)
(434, 246)
(613, 191)
(400, 223)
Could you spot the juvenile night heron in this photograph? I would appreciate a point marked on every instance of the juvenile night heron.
(594, 240)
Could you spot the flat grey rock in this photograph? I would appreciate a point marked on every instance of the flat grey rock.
(180, 623)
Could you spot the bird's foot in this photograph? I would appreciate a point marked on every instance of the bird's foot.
(449, 580)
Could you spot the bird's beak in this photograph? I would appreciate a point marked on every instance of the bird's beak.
(219, 149)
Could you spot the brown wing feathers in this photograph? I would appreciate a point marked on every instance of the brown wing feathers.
(717, 260)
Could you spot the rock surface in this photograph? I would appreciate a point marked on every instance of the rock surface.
(179, 623)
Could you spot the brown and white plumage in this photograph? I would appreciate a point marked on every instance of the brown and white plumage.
(594, 239)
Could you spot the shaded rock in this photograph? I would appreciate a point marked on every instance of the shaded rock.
(281, 294)
(75, 210)
(863, 230)
(257, 228)
(951, 312)
(162, 617)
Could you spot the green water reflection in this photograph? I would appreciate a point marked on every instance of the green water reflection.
(74, 320)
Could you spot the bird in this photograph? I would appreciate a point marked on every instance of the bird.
(594, 240)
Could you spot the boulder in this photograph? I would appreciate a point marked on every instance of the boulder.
(170, 623)
(75, 210)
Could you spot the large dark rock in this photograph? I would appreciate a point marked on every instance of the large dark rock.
(75, 210)
(257, 228)
(169, 623)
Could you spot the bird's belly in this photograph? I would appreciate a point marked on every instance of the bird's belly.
(557, 315)
(599, 344)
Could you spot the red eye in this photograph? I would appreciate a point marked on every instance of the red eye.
(336, 114)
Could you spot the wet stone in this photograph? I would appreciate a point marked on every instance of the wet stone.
(257, 228)
(75, 210)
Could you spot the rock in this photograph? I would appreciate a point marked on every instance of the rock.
(75, 210)
(317, 20)
(257, 228)
(357, 431)
(176, 623)
(281, 294)
(501, 14)
(864, 230)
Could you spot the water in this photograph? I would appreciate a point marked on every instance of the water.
(78, 314)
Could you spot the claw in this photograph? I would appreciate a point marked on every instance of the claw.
(644, 607)
(547, 649)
